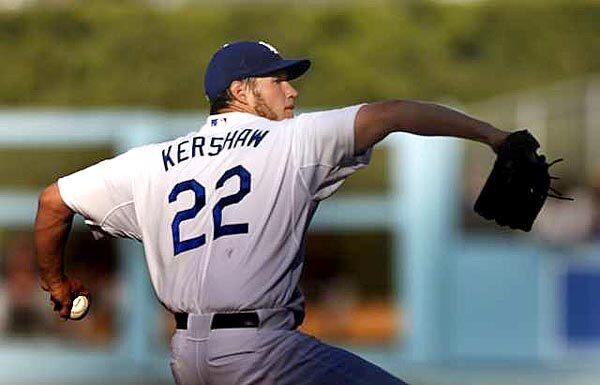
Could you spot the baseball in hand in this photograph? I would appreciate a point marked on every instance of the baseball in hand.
(79, 308)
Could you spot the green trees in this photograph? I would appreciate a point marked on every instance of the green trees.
(96, 55)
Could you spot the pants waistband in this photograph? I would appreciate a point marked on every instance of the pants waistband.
(199, 325)
(223, 320)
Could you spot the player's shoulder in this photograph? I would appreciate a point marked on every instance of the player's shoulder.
(152, 148)
(142, 156)
(142, 151)
(329, 115)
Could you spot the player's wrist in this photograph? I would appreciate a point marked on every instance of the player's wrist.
(495, 138)
(47, 281)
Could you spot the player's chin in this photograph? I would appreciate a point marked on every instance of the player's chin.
(288, 112)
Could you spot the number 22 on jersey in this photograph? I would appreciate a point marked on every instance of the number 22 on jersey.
(220, 229)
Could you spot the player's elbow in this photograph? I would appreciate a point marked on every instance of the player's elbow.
(50, 200)
(47, 197)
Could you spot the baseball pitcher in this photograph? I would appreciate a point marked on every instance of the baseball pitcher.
(222, 214)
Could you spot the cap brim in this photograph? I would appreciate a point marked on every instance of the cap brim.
(293, 68)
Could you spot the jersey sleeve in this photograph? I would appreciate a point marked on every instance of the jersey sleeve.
(324, 145)
(103, 195)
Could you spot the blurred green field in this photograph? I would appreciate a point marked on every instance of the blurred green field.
(125, 54)
(106, 53)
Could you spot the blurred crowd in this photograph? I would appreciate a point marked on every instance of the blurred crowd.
(26, 310)
(343, 299)
(572, 222)
(560, 222)
(342, 287)
(21, 303)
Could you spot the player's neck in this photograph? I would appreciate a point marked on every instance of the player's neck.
(237, 107)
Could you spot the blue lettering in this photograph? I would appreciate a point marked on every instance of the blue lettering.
(180, 151)
(242, 137)
(167, 158)
(229, 139)
(257, 137)
(197, 146)
(214, 144)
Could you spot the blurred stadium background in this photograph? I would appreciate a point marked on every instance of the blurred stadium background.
(399, 269)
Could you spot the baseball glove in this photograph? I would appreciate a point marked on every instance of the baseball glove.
(518, 185)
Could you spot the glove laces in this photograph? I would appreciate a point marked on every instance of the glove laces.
(559, 194)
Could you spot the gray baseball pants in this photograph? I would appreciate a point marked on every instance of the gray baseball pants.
(272, 354)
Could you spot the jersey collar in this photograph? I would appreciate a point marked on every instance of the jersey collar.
(229, 119)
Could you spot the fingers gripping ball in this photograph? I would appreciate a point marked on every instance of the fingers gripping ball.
(69, 297)
(80, 307)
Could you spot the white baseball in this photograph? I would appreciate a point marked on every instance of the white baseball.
(79, 308)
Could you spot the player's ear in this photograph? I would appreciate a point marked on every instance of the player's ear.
(238, 91)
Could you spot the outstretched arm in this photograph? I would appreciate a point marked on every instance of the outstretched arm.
(52, 227)
(375, 121)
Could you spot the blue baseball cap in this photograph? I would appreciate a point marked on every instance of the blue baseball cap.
(244, 59)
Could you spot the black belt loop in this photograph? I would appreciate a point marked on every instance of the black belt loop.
(181, 320)
(223, 320)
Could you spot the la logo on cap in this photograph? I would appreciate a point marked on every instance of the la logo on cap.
(269, 46)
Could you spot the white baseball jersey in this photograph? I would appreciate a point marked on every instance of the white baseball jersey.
(222, 212)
